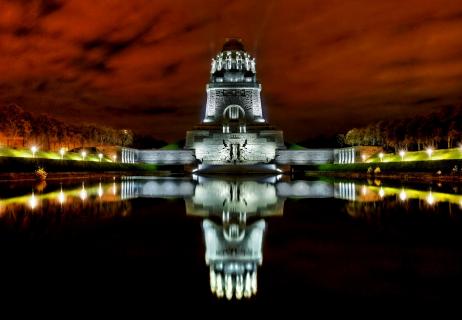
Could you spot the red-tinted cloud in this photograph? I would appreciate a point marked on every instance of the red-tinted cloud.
(324, 65)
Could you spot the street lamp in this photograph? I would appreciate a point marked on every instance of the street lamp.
(429, 152)
(381, 156)
(430, 199)
(62, 152)
(100, 156)
(402, 195)
(34, 150)
(401, 154)
(84, 154)
(114, 157)
(363, 157)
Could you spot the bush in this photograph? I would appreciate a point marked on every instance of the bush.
(377, 170)
(41, 174)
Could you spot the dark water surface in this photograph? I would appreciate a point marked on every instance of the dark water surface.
(231, 241)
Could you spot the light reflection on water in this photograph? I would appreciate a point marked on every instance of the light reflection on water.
(233, 211)
(205, 190)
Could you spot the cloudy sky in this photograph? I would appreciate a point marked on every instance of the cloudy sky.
(325, 65)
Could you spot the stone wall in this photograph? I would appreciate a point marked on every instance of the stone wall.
(167, 157)
(304, 157)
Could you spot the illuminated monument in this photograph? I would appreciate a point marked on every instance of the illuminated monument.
(234, 135)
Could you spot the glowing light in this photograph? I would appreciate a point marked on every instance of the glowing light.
(114, 189)
(34, 150)
(100, 156)
(429, 152)
(363, 157)
(401, 154)
(83, 193)
(32, 201)
(430, 199)
(381, 156)
(381, 192)
(114, 157)
(213, 281)
(83, 154)
(100, 190)
(254, 282)
(247, 286)
(364, 190)
(219, 289)
(402, 195)
(61, 197)
(229, 286)
(62, 151)
(239, 287)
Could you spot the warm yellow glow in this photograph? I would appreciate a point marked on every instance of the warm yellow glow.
(254, 282)
(83, 154)
(364, 190)
(114, 189)
(114, 157)
(34, 150)
(100, 156)
(213, 282)
(402, 195)
(363, 157)
(100, 190)
(32, 201)
(247, 286)
(219, 288)
(401, 154)
(429, 152)
(381, 156)
(61, 197)
(62, 151)
(430, 199)
(83, 193)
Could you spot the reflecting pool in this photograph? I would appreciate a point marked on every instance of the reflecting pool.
(234, 240)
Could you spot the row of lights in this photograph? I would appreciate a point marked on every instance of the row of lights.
(402, 195)
(402, 153)
(83, 195)
(62, 152)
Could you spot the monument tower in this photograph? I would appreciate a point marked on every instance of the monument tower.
(234, 135)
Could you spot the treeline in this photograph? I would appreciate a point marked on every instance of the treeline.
(442, 129)
(19, 128)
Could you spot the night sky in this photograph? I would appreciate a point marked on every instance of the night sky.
(324, 65)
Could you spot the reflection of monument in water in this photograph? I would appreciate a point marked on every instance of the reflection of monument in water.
(233, 211)
(234, 244)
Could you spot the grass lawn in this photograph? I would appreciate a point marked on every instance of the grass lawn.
(445, 166)
(27, 153)
(441, 154)
(22, 160)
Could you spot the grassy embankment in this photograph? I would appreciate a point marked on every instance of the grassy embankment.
(441, 162)
(21, 160)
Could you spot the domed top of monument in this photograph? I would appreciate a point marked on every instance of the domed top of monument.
(233, 63)
(233, 44)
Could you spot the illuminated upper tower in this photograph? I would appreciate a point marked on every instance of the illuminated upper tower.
(233, 92)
